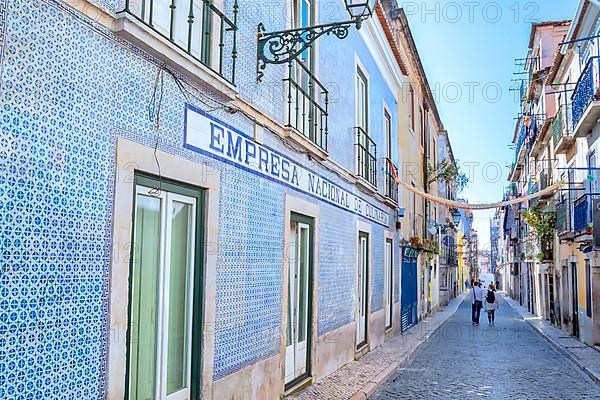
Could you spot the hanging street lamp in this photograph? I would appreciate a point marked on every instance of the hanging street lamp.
(283, 46)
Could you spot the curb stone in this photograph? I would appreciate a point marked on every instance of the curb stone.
(594, 375)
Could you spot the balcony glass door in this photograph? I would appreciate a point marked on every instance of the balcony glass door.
(176, 21)
(162, 295)
(299, 299)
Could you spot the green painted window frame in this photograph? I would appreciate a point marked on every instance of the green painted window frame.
(198, 193)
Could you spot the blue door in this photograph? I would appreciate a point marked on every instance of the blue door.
(408, 294)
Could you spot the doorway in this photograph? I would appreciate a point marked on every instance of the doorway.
(574, 299)
(363, 289)
(299, 315)
(389, 283)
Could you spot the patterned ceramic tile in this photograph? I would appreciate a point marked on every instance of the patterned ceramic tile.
(68, 89)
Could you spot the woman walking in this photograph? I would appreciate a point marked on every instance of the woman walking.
(491, 304)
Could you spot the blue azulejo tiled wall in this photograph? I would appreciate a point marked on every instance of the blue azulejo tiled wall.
(248, 303)
(68, 88)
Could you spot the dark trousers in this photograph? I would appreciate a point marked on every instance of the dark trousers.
(475, 312)
(491, 315)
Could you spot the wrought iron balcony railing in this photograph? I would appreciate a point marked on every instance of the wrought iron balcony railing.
(562, 124)
(391, 188)
(586, 88)
(519, 144)
(563, 217)
(545, 179)
(197, 27)
(307, 104)
(582, 215)
(366, 153)
(533, 186)
(536, 125)
(533, 66)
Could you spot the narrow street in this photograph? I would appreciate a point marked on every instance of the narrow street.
(508, 361)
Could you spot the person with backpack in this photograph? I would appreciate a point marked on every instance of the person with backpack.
(491, 305)
(477, 298)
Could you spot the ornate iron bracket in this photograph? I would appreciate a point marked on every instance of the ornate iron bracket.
(283, 46)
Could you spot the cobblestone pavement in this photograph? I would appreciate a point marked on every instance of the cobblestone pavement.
(507, 361)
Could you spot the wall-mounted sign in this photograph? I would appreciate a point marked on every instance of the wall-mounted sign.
(410, 254)
(207, 135)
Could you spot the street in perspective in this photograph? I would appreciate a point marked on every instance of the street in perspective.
(299, 199)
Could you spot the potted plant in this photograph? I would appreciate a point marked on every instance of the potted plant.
(415, 241)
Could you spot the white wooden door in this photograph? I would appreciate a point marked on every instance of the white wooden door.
(361, 331)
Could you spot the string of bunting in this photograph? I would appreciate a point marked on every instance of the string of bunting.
(478, 206)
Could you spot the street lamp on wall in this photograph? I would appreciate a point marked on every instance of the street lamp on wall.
(456, 216)
(283, 46)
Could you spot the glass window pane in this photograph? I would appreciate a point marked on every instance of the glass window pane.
(179, 312)
(144, 299)
(303, 285)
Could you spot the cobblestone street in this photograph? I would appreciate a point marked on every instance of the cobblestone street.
(507, 361)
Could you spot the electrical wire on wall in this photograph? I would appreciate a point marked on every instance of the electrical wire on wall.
(154, 109)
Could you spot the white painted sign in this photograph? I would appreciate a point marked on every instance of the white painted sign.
(207, 135)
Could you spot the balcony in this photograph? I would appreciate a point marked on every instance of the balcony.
(546, 181)
(391, 188)
(307, 104)
(532, 67)
(562, 130)
(533, 186)
(519, 144)
(196, 27)
(582, 216)
(366, 157)
(538, 133)
(586, 107)
(563, 219)
(517, 168)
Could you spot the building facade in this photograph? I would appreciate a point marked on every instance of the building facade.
(533, 170)
(173, 227)
(575, 142)
(552, 262)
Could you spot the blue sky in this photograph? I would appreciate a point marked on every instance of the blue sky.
(468, 49)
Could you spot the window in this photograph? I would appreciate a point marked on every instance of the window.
(422, 120)
(366, 148)
(197, 27)
(302, 16)
(411, 107)
(307, 98)
(164, 303)
(361, 101)
(387, 128)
